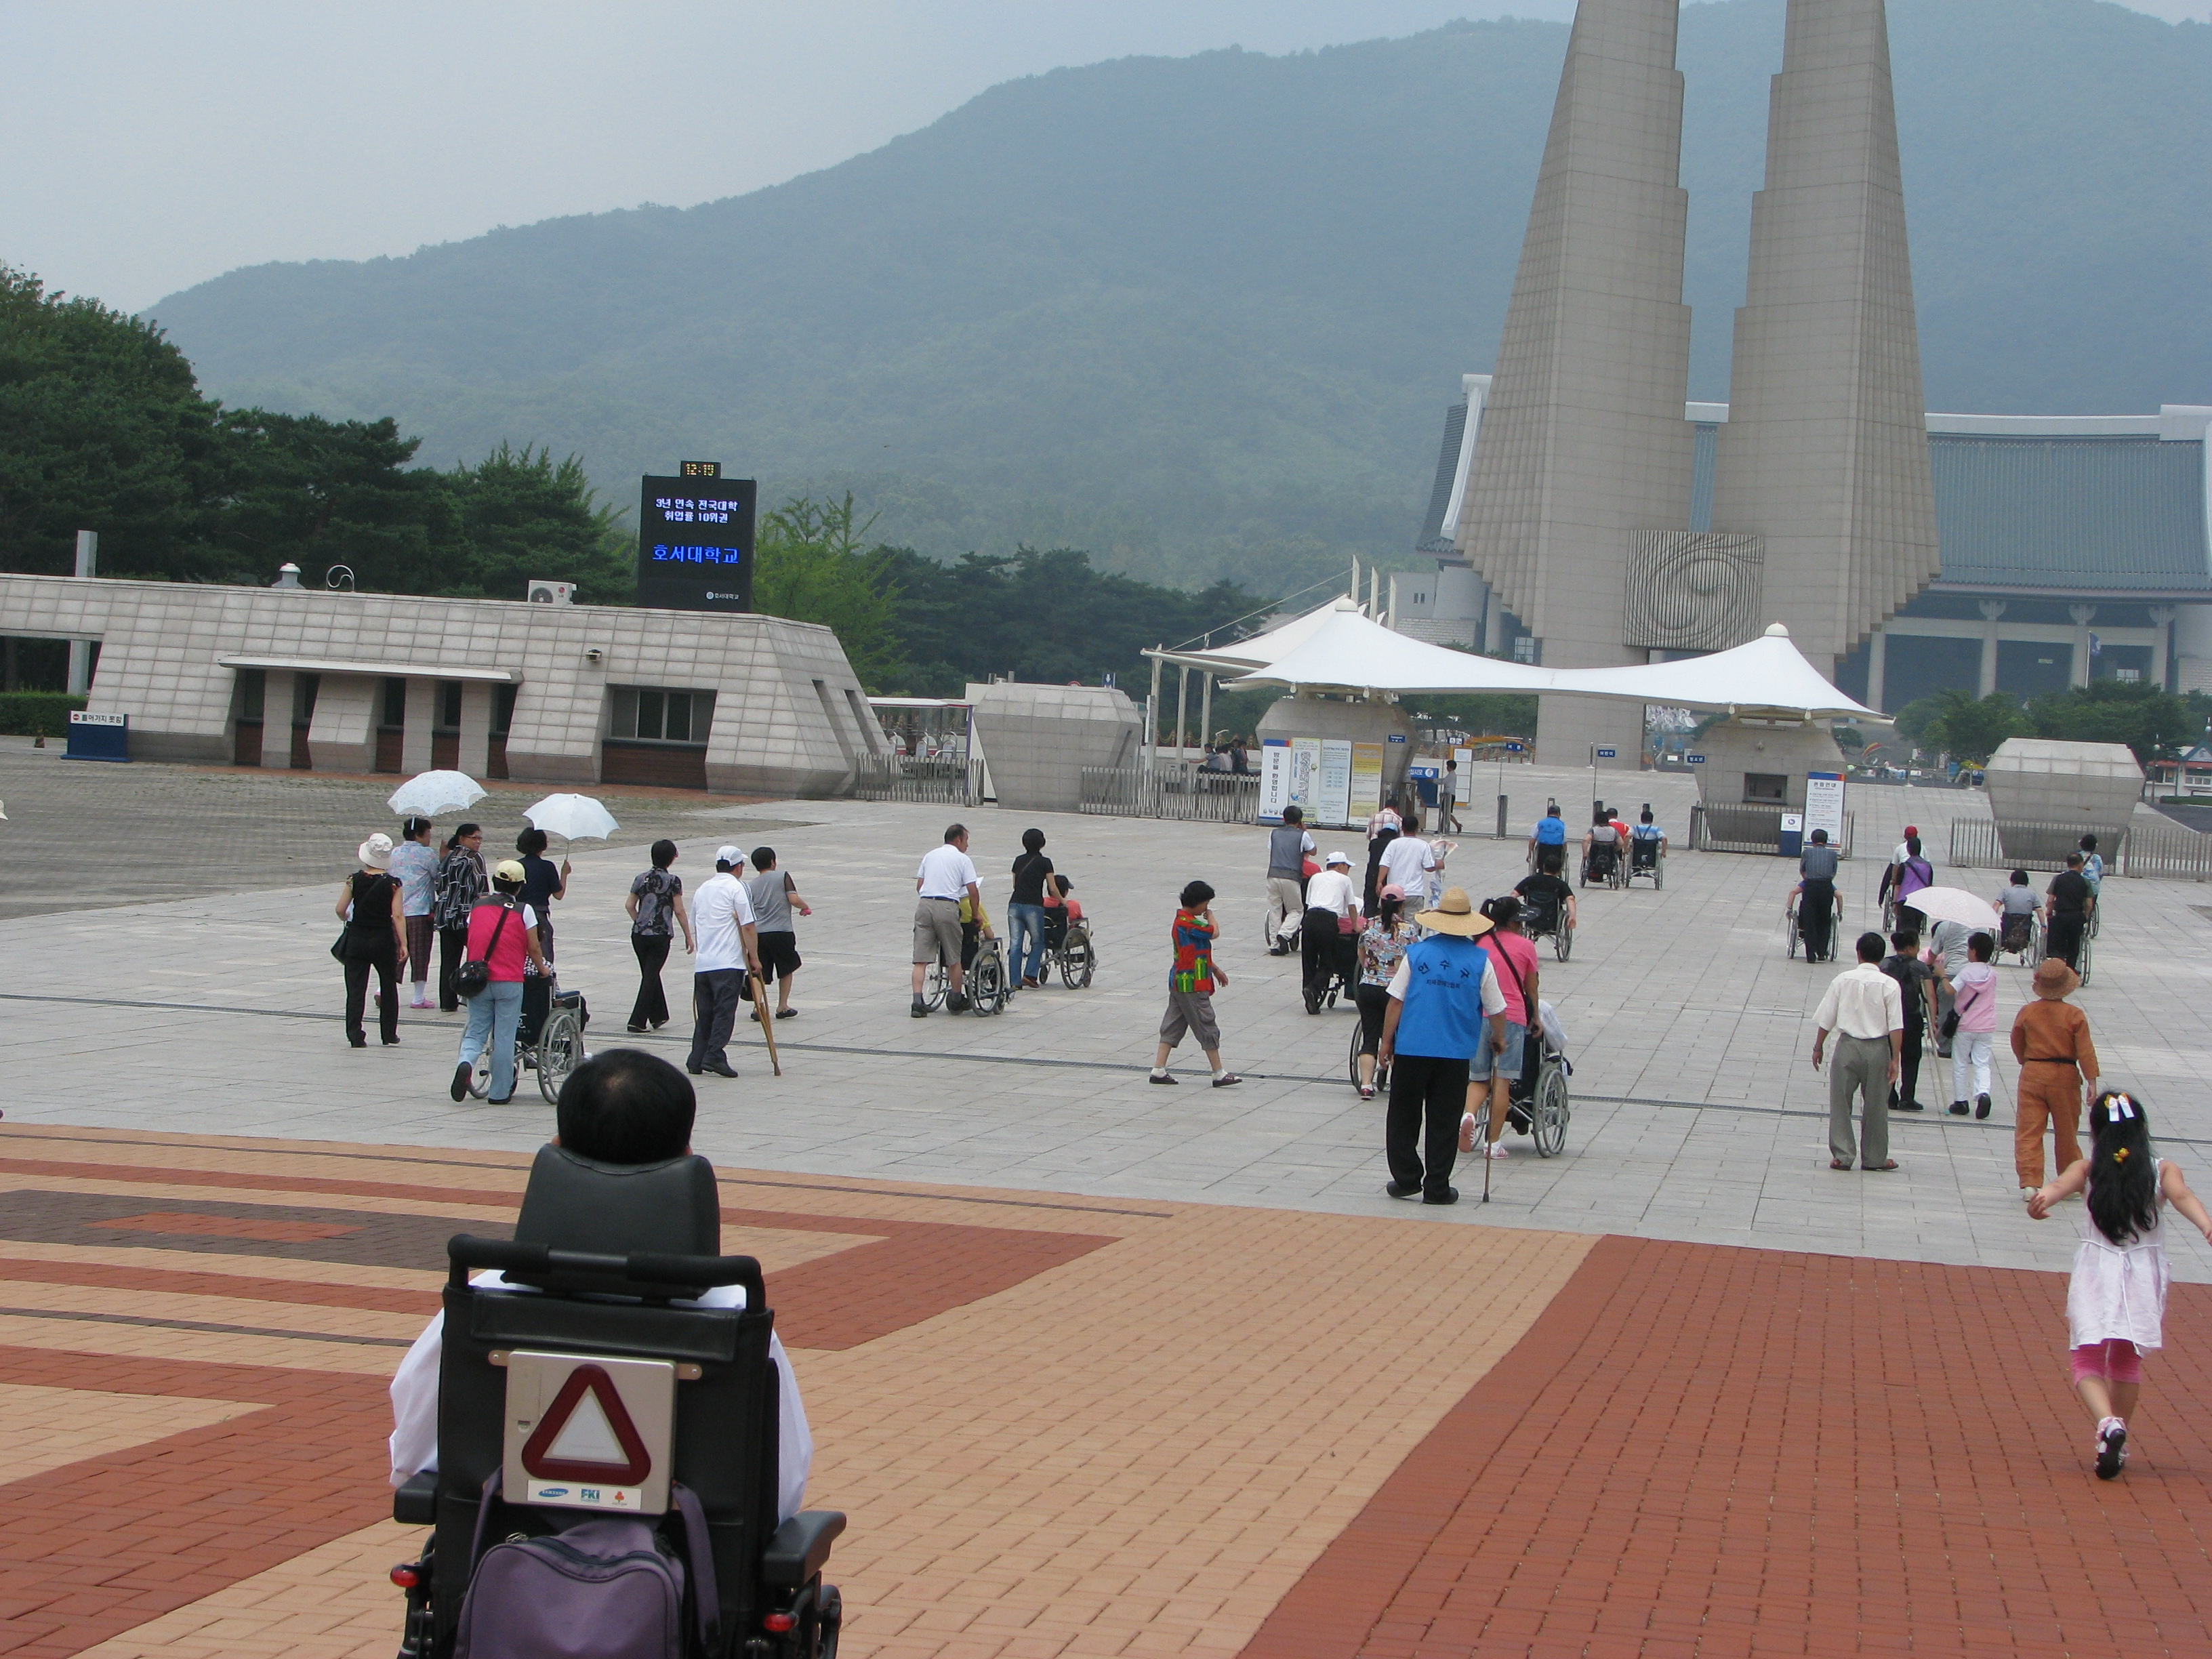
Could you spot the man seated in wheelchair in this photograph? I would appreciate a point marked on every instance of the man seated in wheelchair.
(1601, 847)
(1060, 909)
(612, 1330)
(1646, 841)
(1546, 898)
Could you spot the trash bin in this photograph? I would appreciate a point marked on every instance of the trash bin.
(1422, 774)
(1789, 839)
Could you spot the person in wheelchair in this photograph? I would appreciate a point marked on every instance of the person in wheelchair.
(1547, 898)
(622, 1110)
(2017, 904)
(1601, 847)
(1060, 909)
(1647, 842)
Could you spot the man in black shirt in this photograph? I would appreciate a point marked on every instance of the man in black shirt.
(1552, 897)
(2067, 904)
(1914, 978)
(542, 882)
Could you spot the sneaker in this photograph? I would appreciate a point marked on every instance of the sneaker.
(1165, 1076)
(1981, 1106)
(1907, 1106)
(461, 1078)
(921, 1009)
(956, 1005)
(1496, 1150)
(1466, 1132)
(2111, 1448)
(2027, 1193)
(1958, 1108)
(1225, 1079)
(635, 1030)
(1402, 1189)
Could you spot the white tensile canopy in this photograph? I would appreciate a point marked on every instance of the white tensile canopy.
(1337, 648)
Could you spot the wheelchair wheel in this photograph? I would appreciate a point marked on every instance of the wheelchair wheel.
(2084, 968)
(934, 986)
(1659, 875)
(559, 1051)
(1563, 940)
(986, 983)
(1548, 1117)
(2096, 920)
(480, 1077)
(1077, 960)
(1352, 1061)
(1791, 934)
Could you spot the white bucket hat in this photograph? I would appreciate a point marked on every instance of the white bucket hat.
(1338, 858)
(376, 852)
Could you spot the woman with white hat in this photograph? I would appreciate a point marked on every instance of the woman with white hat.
(375, 937)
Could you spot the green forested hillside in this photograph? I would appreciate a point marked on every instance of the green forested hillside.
(1202, 315)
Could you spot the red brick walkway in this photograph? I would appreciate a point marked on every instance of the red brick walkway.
(1704, 1451)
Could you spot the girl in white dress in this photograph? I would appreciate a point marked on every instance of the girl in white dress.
(2116, 1300)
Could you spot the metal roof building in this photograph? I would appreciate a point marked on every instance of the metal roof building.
(2073, 548)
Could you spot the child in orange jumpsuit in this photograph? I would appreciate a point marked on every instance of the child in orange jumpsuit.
(2057, 1069)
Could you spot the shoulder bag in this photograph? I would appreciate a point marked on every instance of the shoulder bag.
(470, 978)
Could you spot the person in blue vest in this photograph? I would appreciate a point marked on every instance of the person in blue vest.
(1547, 842)
(1444, 1026)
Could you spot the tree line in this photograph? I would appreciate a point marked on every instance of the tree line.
(2156, 724)
(103, 427)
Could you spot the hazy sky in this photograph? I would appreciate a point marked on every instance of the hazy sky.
(153, 145)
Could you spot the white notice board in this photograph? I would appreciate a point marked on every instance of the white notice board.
(1274, 779)
(1824, 805)
(1334, 791)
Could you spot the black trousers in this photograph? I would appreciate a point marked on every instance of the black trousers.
(1374, 1002)
(651, 1007)
(1321, 950)
(453, 950)
(1428, 1097)
(1816, 917)
(383, 956)
(2065, 939)
(714, 996)
(537, 1003)
(1908, 1063)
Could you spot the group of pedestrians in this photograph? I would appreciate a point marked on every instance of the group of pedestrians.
(951, 921)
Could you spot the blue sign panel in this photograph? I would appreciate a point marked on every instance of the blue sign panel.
(1609, 753)
(97, 737)
(1516, 748)
(1695, 760)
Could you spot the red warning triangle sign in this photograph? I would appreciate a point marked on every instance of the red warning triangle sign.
(537, 1456)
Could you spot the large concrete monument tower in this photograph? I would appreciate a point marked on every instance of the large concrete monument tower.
(1584, 444)
(1825, 454)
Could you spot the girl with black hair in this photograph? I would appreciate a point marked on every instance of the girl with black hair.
(1382, 947)
(460, 881)
(2116, 1300)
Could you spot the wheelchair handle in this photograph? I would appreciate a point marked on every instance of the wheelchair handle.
(466, 1252)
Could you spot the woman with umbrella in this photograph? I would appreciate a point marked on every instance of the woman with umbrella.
(460, 882)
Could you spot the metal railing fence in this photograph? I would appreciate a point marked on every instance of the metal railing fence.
(2170, 852)
(1170, 790)
(948, 780)
(1750, 828)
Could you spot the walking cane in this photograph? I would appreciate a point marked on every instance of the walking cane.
(767, 1020)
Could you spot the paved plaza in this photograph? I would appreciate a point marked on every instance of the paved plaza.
(1095, 1367)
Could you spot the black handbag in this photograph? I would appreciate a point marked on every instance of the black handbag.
(470, 978)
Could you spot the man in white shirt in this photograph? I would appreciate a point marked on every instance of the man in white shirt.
(1407, 864)
(1864, 1008)
(722, 919)
(1324, 947)
(946, 877)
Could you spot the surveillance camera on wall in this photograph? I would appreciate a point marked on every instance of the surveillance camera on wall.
(545, 593)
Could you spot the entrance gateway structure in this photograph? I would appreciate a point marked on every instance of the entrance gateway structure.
(1577, 515)
(300, 678)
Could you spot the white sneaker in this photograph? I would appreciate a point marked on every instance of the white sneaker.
(1496, 1150)
(1466, 1134)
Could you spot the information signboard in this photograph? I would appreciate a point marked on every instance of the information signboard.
(1274, 779)
(97, 737)
(1366, 781)
(1305, 776)
(694, 542)
(1824, 805)
(1333, 790)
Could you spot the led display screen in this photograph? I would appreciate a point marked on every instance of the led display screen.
(695, 544)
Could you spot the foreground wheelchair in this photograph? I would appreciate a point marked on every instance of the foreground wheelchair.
(1538, 1105)
(1544, 916)
(688, 1399)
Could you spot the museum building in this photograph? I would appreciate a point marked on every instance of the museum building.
(2073, 548)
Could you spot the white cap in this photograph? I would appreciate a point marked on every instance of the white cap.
(1338, 858)
(729, 856)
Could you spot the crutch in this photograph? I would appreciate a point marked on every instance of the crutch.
(767, 1019)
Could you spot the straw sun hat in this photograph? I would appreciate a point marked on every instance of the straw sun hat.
(2055, 980)
(1455, 914)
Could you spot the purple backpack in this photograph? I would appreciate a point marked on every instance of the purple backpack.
(606, 1588)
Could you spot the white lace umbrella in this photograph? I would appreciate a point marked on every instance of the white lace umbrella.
(572, 817)
(1954, 904)
(433, 794)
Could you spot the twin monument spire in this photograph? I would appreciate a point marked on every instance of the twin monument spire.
(1577, 510)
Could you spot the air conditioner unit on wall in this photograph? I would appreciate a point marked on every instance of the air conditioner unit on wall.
(545, 592)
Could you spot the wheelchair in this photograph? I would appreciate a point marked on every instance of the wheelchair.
(1603, 864)
(1352, 1061)
(984, 969)
(1645, 858)
(1338, 968)
(557, 1049)
(1068, 949)
(2017, 937)
(1793, 930)
(1545, 917)
(695, 1390)
(1538, 1105)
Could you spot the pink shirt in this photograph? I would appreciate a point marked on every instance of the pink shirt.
(1522, 953)
(1974, 995)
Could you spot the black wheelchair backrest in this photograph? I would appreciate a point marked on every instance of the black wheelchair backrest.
(579, 1205)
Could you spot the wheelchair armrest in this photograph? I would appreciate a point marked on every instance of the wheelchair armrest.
(416, 1502)
(801, 1548)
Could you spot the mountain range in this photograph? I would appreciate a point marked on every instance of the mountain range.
(1201, 316)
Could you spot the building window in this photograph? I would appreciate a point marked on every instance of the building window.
(502, 710)
(449, 708)
(1524, 648)
(253, 687)
(1766, 787)
(395, 703)
(650, 714)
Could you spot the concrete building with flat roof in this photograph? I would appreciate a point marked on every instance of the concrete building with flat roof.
(305, 680)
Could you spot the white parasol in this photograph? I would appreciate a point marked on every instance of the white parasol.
(572, 817)
(1954, 904)
(433, 794)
